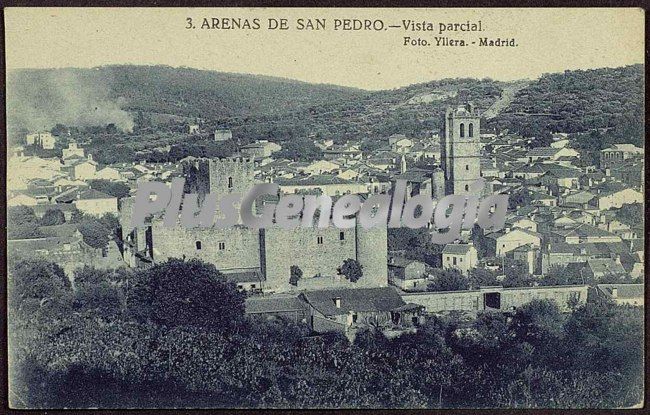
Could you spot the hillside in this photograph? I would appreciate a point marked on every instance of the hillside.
(152, 106)
(610, 99)
(85, 96)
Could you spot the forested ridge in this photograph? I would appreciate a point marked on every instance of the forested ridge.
(151, 107)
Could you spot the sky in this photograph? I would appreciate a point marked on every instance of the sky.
(548, 40)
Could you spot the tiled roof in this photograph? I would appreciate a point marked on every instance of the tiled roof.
(543, 152)
(314, 180)
(592, 248)
(274, 304)
(456, 249)
(624, 147)
(624, 291)
(379, 299)
(605, 266)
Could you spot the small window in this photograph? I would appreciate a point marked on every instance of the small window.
(105, 252)
(241, 287)
(341, 236)
(198, 245)
(470, 131)
(462, 130)
(222, 246)
(467, 167)
(460, 259)
(319, 240)
(454, 260)
(354, 317)
(252, 285)
(466, 187)
(229, 182)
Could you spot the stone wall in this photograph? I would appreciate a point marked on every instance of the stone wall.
(240, 249)
(301, 247)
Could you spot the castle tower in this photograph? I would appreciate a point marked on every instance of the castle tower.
(460, 148)
(220, 176)
(372, 254)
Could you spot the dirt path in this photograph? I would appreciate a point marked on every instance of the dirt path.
(507, 95)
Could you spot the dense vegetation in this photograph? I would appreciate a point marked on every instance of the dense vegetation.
(607, 99)
(125, 339)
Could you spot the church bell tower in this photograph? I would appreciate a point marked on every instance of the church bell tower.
(461, 148)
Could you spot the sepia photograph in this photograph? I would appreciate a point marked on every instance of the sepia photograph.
(325, 208)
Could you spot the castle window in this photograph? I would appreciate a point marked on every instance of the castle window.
(467, 167)
(222, 246)
(454, 260)
(466, 187)
(229, 182)
(198, 245)
(462, 130)
(470, 131)
(341, 236)
(319, 240)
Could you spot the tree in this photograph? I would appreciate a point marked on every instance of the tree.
(35, 283)
(416, 244)
(117, 189)
(605, 336)
(630, 214)
(477, 236)
(448, 280)
(299, 150)
(191, 293)
(22, 223)
(53, 217)
(557, 275)
(516, 273)
(540, 324)
(94, 233)
(296, 275)
(481, 277)
(351, 269)
(102, 298)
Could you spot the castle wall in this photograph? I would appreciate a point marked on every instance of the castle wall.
(240, 249)
(299, 246)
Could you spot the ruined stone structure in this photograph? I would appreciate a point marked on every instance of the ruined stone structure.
(460, 148)
(267, 252)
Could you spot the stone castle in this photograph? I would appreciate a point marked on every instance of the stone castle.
(257, 258)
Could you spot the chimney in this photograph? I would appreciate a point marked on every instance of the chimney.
(337, 302)
(614, 292)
